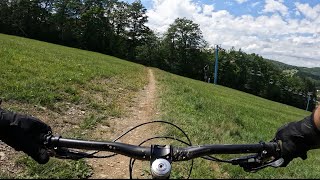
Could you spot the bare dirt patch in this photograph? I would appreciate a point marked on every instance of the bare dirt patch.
(142, 109)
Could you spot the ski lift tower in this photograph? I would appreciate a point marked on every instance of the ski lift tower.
(206, 69)
(216, 64)
(309, 94)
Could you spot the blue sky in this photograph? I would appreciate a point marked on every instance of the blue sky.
(284, 30)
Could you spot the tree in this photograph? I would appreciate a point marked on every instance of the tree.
(117, 15)
(24, 18)
(94, 26)
(5, 17)
(138, 31)
(185, 40)
(149, 52)
(66, 18)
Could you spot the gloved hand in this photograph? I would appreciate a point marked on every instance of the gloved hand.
(297, 138)
(24, 133)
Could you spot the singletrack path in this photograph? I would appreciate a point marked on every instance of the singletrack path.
(142, 110)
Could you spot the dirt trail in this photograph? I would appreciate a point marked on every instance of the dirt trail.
(142, 110)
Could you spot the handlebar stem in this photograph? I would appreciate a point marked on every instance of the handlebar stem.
(161, 159)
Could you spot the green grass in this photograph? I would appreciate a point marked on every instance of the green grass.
(54, 169)
(213, 114)
(90, 122)
(35, 73)
(42, 73)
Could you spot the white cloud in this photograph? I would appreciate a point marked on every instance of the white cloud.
(164, 12)
(307, 11)
(241, 1)
(255, 4)
(275, 6)
(208, 9)
(292, 41)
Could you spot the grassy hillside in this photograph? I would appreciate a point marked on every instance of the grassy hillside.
(74, 90)
(70, 89)
(215, 114)
(42, 73)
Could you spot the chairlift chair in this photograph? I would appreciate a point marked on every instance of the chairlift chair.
(271, 81)
(259, 73)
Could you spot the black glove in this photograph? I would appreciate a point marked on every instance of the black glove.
(297, 138)
(24, 133)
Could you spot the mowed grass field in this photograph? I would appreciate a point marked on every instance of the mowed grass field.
(70, 89)
(213, 114)
(47, 81)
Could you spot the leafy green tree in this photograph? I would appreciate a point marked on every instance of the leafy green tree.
(137, 30)
(117, 15)
(95, 26)
(66, 17)
(228, 69)
(149, 52)
(185, 41)
(24, 18)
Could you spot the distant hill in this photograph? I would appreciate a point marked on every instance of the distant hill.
(283, 65)
(311, 73)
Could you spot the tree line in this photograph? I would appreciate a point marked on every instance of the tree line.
(119, 29)
(253, 74)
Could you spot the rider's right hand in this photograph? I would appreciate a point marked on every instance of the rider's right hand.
(24, 133)
(297, 138)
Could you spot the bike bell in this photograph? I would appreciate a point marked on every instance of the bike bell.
(161, 168)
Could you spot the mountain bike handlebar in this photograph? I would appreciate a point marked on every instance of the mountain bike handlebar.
(161, 156)
(177, 153)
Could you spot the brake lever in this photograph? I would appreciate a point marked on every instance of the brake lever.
(254, 163)
(275, 164)
(65, 153)
(60, 152)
